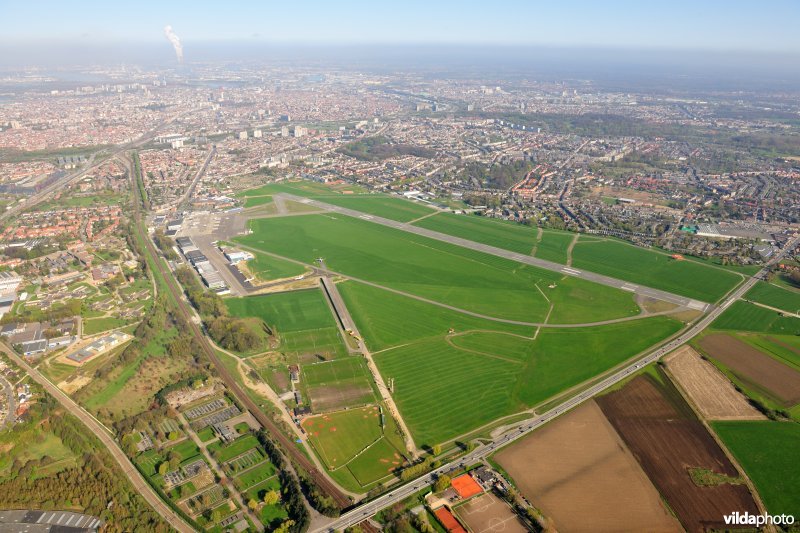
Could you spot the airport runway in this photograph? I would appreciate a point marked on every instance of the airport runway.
(513, 256)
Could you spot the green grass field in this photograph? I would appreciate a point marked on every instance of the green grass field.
(744, 316)
(237, 447)
(286, 311)
(767, 450)
(445, 387)
(445, 273)
(500, 233)
(337, 384)
(98, 325)
(381, 205)
(376, 463)
(339, 436)
(554, 245)
(774, 296)
(257, 200)
(653, 269)
(255, 475)
(269, 268)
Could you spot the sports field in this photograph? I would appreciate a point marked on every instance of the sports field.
(767, 451)
(744, 316)
(774, 296)
(439, 271)
(338, 383)
(653, 269)
(286, 311)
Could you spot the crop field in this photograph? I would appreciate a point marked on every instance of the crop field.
(784, 348)
(383, 206)
(774, 296)
(439, 271)
(744, 316)
(339, 436)
(338, 383)
(754, 367)
(767, 451)
(712, 393)
(665, 437)
(654, 269)
(581, 475)
(445, 387)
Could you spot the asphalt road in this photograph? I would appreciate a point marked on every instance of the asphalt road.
(105, 437)
(513, 256)
(366, 510)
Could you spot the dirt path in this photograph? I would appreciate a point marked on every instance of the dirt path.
(571, 247)
(539, 234)
(423, 217)
(776, 309)
(263, 389)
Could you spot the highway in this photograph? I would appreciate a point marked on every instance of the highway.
(366, 510)
(107, 439)
(513, 256)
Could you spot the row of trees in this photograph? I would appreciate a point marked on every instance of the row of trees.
(292, 496)
(232, 333)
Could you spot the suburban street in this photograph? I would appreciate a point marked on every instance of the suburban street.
(368, 509)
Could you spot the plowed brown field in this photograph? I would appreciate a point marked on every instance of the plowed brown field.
(667, 441)
(754, 366)
(579, 473)
(712, 393)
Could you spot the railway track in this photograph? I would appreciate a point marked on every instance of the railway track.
(267, 423)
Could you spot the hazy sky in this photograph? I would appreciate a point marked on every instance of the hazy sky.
(762, 25)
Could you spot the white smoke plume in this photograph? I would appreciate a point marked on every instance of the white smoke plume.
(176, 42)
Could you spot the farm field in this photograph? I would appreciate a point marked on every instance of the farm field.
(390, 207)
(744, 316)
(653, 269)
(581, 475)
(439, 271)
(784, 348)
(774, 296)
(663, 434)
(754, 367)
(712, 393)
(767, 452)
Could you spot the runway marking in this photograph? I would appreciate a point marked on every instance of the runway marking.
(572, 271)
(629, 287)
(698, 306)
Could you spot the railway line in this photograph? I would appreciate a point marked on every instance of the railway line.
(181, 307)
